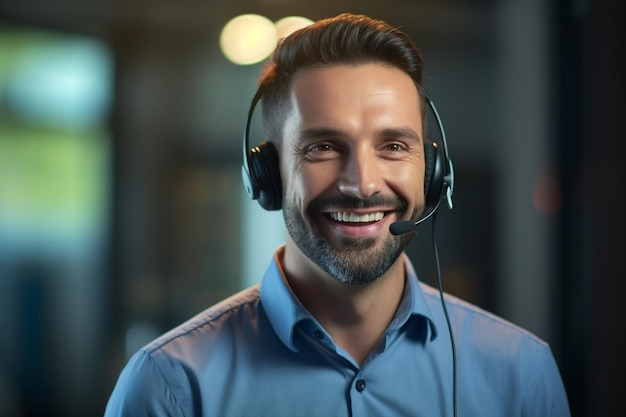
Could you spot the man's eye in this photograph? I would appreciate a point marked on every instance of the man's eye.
(321, 152)
(320, 147)
(395, 147)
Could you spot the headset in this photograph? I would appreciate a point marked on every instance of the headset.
(261, 173)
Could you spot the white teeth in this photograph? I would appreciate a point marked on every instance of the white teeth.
(356, 218)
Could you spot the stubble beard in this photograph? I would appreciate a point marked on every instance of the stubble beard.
(358, 261)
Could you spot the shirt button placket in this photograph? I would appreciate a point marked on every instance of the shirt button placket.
(360, 403)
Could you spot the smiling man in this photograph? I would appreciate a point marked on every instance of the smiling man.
(340, 324)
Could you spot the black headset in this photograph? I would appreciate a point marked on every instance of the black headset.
(261, 172)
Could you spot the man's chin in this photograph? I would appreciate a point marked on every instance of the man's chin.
(360, 263)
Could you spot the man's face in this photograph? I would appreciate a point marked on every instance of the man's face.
(352, 163)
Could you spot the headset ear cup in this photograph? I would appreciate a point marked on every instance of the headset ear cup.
(264, 168)
(433, 176)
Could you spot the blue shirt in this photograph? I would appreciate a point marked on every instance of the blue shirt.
(261, 353)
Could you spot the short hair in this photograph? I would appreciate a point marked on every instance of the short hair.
(346, 39)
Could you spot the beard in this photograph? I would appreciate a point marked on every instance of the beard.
(358, 260)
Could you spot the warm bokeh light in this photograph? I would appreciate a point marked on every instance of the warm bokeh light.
(248, 39)
(287, 25)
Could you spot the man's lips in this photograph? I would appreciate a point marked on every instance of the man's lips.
(357, 224)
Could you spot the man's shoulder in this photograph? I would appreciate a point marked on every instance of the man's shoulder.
(195, 353)
(236, 310)
(469, 318)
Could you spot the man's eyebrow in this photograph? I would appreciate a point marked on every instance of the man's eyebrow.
(402, 132)
(319, 132)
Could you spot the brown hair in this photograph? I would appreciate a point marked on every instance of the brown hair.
(345, 39)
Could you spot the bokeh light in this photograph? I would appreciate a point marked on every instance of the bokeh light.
(250, 38)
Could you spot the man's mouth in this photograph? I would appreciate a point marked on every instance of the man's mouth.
(351, 217)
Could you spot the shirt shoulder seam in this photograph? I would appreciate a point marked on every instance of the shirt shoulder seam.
(479, 312)
(206, 317)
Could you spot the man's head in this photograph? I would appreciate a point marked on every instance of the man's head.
(343, 102)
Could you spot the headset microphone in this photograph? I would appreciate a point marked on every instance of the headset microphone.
(403, 226)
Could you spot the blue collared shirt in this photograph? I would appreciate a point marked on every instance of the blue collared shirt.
(261, 353)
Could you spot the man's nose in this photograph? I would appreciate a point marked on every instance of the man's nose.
(361, 175)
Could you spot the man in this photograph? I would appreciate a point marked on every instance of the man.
(340, 325)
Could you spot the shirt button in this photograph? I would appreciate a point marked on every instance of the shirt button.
(360, 385)
(319, 335)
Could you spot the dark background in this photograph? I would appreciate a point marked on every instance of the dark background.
(530, 93)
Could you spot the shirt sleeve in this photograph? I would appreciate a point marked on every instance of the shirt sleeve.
(545, 394)
(142, 390)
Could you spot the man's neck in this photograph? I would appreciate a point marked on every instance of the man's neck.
(356, 316)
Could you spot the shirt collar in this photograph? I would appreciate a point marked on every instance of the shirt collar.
(281, 305)
(285, 311)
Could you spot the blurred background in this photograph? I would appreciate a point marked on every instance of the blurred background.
(122, 211)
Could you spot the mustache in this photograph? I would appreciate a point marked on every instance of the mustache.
(349, 202)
